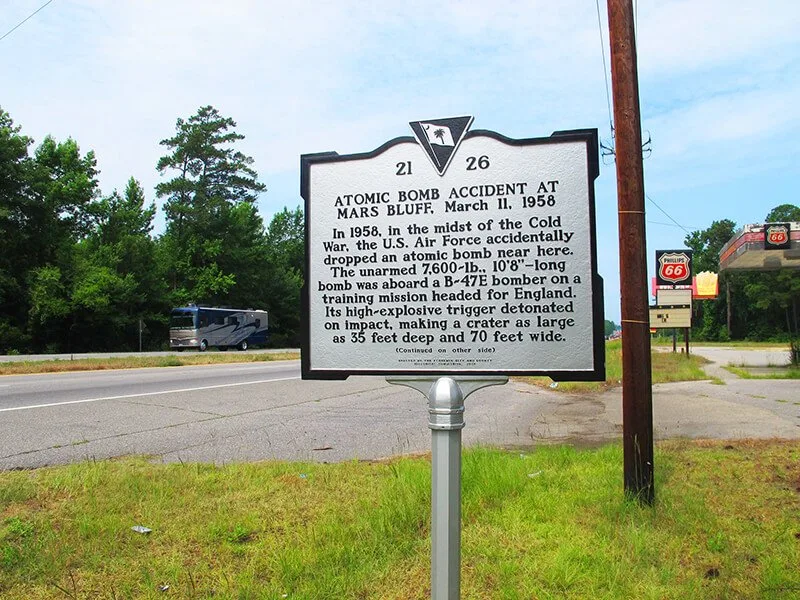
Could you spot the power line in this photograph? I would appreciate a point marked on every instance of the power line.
(609, 151)
(18, 25)
(605, 68)
(667, 215)
(664, 224)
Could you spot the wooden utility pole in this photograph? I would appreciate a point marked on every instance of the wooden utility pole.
(637, 391)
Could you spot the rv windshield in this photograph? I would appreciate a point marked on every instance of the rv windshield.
(182, 320)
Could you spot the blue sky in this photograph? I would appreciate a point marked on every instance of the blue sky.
(719, 79)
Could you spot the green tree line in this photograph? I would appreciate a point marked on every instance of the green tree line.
(752, 305)
(80, 270)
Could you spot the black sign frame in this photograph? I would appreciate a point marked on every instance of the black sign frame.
(686, 281)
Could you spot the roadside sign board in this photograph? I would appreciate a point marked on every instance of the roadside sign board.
(673, 297)
(453, 252)
(670, 317)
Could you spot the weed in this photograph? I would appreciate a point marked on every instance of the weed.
(9, 556)
(239, 534)
(18, 528)
(716, 543)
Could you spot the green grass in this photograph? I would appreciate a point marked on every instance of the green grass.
(551, 523)
(778, 373)
(737, 344)
(139, 362)
(666, 367)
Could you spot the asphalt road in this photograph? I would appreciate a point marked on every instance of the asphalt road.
(244, 412)
(53, 390)
(222, 413)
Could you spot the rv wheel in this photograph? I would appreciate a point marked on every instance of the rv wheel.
(203, 346)
(243, 345)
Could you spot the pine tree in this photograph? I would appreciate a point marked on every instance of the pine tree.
(212, 222)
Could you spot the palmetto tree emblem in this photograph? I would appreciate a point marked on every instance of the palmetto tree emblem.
(440, 138)
(438, 134)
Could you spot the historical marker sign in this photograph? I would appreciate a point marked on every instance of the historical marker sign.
(453, 252)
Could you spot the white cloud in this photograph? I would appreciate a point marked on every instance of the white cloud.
(691, 35)
(717, 81)
(731, 119)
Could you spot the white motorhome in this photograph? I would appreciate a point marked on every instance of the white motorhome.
(200, 327)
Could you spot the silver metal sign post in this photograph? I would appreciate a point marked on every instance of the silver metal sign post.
(446, 397)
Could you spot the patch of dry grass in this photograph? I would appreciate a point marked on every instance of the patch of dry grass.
(139, 362)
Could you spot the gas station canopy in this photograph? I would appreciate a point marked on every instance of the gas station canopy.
(763, 247)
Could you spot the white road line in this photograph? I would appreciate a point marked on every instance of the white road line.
(196, 389)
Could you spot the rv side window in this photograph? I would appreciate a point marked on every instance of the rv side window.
(258, 323)
(233, 321)
(219, 320)
(203, 320)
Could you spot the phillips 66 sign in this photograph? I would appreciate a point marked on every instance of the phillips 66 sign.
(776, 236)
(673, 267)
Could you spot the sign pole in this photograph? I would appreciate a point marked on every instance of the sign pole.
(637, 393)
(446, 420)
